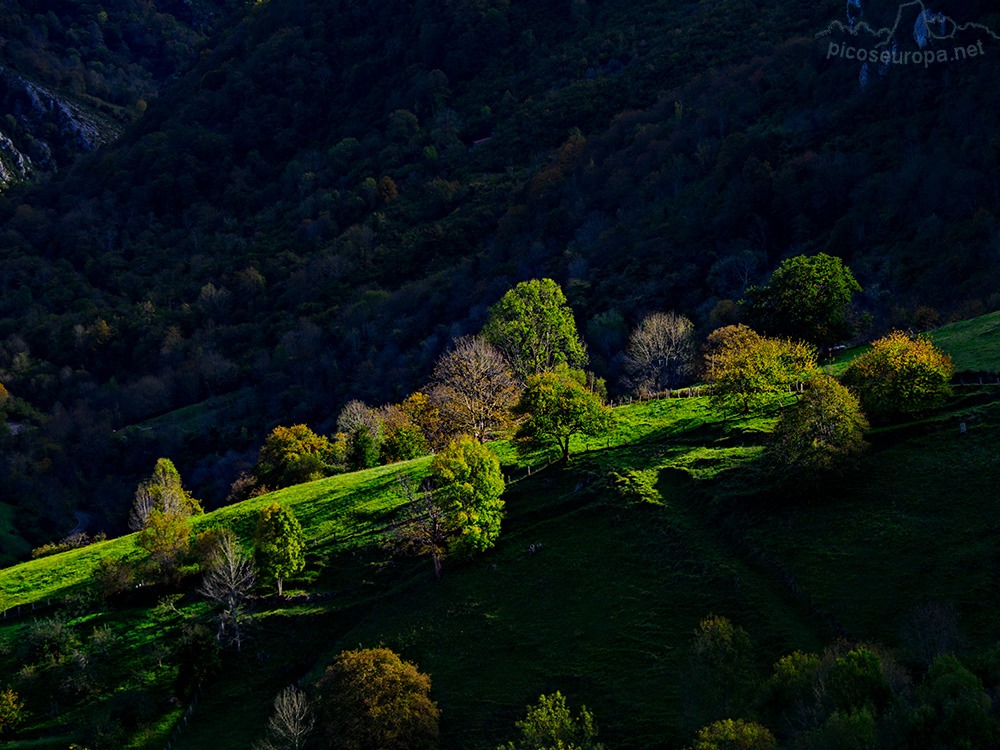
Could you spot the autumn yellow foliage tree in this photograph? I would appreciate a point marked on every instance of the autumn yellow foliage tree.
(11, 710)
(824, 432)
(370, 699)
(901, 375)
(750, 372)
(292, 455)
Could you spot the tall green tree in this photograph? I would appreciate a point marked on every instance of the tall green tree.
(899, 376)
(807, 298)
(279, 544)
(364, 451)
(533, 326)
(469, 488)
(555, 408)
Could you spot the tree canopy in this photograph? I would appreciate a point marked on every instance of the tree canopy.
(279, 544)
(534, 327)
(370, 699)
(807, 298)
(474, 389)
(899, 376)
(469, 488)
(556, 407)
(735, 734)
(749, 372)
(823, 432)
(11, 710)
(550, 725)
(292, 455)
(162, 491)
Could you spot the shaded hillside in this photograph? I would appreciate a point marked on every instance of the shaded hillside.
(72, 74)
(335, 190)
(587, 592)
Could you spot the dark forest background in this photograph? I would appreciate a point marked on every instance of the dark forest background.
(311, 198)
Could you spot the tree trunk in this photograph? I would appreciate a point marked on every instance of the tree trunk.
(280, 582)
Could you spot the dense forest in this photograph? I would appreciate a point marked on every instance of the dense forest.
(310, 199)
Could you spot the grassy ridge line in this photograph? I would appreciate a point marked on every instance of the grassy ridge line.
(973, 345)
(324, 507)
(338, 513)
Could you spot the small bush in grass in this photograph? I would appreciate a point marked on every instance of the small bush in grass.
(73, 541)
(50, 640)
(636, 486)
(12, 711)
(113, 576)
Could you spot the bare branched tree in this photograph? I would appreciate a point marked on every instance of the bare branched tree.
(423, 530)
(474, 389)
(141, 508)
(291, 722)
(660, 352)
(357, 414)
(228, 583)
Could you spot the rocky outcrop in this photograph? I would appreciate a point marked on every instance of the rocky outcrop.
(42, 130)
(14, 165)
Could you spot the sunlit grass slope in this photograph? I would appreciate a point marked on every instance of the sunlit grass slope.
(973, 345)
(605, 605)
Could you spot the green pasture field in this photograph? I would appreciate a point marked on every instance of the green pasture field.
(974, 345)
(587, 592)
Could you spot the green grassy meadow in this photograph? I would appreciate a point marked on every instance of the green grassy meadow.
(973, 344)
(604, 607)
